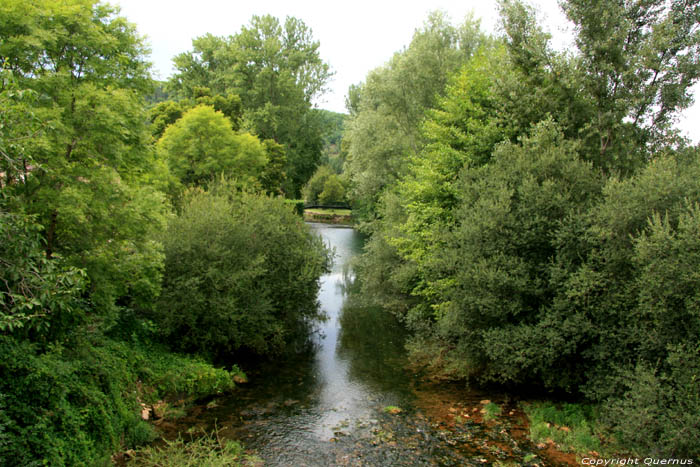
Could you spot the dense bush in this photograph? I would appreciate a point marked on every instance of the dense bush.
(495, 311)
(658, 414)
(316, 184)
(296, 204)
(241, 272)
(77, 405)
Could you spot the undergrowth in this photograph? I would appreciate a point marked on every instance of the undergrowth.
(205, 450)
(572, 427)
(77, 404)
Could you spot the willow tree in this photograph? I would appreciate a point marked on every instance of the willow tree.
(387, 109)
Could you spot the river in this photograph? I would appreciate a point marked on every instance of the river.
(332, 402)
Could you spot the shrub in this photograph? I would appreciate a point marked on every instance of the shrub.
(296, 204)
(494, 298)
(658, 415)
(66, 408)
(333, 191)
(241, 272)
(77, 405)
(316, 184)
(206, 450)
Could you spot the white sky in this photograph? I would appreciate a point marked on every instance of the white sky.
(355, 37)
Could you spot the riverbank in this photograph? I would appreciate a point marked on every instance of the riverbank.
(349, 399)
(329, 216)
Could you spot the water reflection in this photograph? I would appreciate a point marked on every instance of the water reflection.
(294, 410)
(347, 391)
(324, 405)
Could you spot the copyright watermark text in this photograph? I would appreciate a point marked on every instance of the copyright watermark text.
(634, 461)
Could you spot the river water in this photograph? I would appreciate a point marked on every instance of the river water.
(331, 402)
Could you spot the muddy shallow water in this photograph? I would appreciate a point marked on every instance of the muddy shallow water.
(331, 404)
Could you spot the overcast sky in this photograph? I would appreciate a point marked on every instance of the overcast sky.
(355, 37)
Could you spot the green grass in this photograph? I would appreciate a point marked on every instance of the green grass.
(330, 212)
(573, 427)
(208, 450)
(392, 409)
(491, 411)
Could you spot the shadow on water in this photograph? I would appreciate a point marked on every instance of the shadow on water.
(325, 405)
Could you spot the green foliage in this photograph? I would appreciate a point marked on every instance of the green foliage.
(541, 227)
(173, 375)
(82, 175)
(635, 289)
(241, 272)
(495, 303)
(205, 450)
(641, 59)
(658, 414)
(491, 411)
(314, 187)
(573, 427)
(202, 145)
(39, 297)
(388, 108)
(333, 191)
(273, 176)
(163, 115)
(66, 408)
(77, 405)
(168, 112)
(277, 71)
(296, 204)
(18, 125)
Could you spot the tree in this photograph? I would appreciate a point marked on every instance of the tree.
(277, 71)
(333, 191)
(492, 310)
(641, 59)
(387, 109)
(273, 177)
(316, 183)
(241, 273)
(202, 145)
(88, 69)
(39, 298)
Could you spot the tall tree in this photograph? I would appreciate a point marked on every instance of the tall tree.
(387, 109)
(202, 145)
(88, 68)
(277, 71)
(641, 58)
